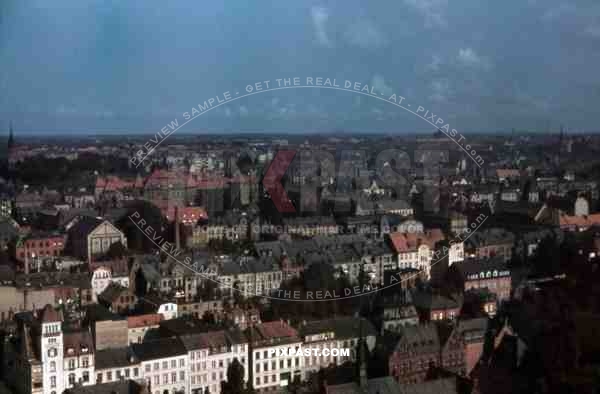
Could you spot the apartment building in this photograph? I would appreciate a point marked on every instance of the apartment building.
(164, 365)
(268, 369)
(210, 354)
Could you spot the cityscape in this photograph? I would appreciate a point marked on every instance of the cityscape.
(256, 212)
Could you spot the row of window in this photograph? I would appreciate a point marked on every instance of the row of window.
(274, 364)
(165, 378)
(165, 365)
(127, 373)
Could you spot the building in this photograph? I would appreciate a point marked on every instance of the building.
(164, 365)
(117, 298)
(269, 370)
(138, 326)
(424, 347)
(416, 250)
(210, 354)
(337, 333)
(432, 306)
(115, 364)
(91, 238)
(491, 273)
(473, 332)
(489, 243)
(45, 358)
(39, 246)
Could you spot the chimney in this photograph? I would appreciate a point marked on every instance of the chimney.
(177, 229)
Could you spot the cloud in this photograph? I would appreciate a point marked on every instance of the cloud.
(379, 85)
(440, 90)
(366, 35)
(434, 65)
(468, 57)
(319, 16)
(432, 10)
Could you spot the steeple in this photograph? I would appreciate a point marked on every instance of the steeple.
(11, 139)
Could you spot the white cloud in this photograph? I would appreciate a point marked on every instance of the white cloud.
(468, 57)
(379, 85)
(434, 65)
(319, 16)
(366, 35)
(440, 90)
(432, 10)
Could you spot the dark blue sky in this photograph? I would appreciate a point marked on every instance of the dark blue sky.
(83, 66)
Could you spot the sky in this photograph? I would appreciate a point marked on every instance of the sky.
(91, 66)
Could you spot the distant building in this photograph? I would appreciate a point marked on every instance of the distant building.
(427, 346)
(92, 237)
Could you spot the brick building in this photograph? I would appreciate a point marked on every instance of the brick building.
(427, 346)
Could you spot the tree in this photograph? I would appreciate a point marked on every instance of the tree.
(235, 379)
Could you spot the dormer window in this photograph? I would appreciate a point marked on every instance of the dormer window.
(70, 351)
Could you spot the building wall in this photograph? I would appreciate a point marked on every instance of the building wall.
(111, 333)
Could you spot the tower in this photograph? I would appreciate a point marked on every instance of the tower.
(51, 349)
(10, 147)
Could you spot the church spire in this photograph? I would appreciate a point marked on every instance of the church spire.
(11, 138)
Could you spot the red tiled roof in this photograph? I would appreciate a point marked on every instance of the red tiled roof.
(507, 173)
(150, 319)
(112, 183)
(579, 221)
(407, 242)
(276, 329)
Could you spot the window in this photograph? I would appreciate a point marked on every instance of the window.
(127, 373)
(71, 364)
(165, 378)
(52, 366)
(156, 380)
(71, 379)
(136, 372)
(108, 376)
(257, 381)
(182, 375)
(98, 378)
(147, 367)
(156, 366)
(173, 363)
(86, 376)
(173, 377)
(165, 365)
(52, 381)
(85, 362)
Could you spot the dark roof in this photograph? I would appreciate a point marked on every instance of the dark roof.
(431, 301)
(49, 314)
(78, 342)
(344, 328)
(84, 226)
(114, 358)
(112, 292)
(213, 339)
(122, 387)
(160, 348)
(476, 266)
